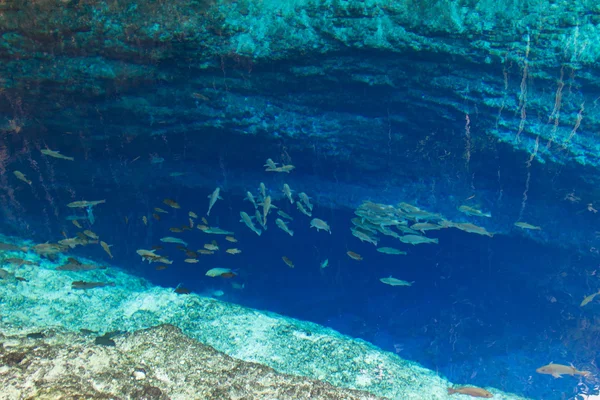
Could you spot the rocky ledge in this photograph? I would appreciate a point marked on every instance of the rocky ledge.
(159, 363)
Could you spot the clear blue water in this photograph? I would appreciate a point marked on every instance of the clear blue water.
(478, 313)
(482, 311)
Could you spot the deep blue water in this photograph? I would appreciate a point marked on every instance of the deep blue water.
(482, 311)
(479, 311)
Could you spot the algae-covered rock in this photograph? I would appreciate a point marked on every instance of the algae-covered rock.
(159, 363)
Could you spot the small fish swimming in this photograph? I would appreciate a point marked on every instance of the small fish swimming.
(288, 192)
(557, 370)
(233, 251)
(48, 249)
(248, 221)
(85, 203)
(390, 250)
(161, 259)
(231, 239)
(284, 215)
(171, 203)
(324, 263)
(258, 216)
(282, 225)
(213, 199)
(415, 213)
(156, 216)
(473, 212)
(192, 214)
(191, 260)
(160, 210)
(77, 224)
(211, 247)
(20, 176)
(364, 237)
(284, 168)
(147, 253)
(106, 248)
(90, 285)
(11, 247)
(525, 225)
(72, 242)
(200, 96)
(354, 256)
(182, 290)
(320, 224)
(588, 299)
(216, 231)
(471, 391)
(425, 226)
(150, 256)
(414, 239)
(190, 254)
(405, 207)
(288, 262)
(250, 198)
(267, 205)
(270, 164)
(222, 272)
(79, 267)
(395, 282)
(17, 262)
(90, 214)
(90, 234)
(306, 200)
(406, 229)
(468, 227)
(262, 189)
(170, 239)
(56, 154)
(302, 209)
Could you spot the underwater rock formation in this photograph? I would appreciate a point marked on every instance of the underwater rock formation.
(223, 60)
(414, 94)
(155, 364)
(43, 300)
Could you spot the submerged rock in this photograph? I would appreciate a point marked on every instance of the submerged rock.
(289, 346)
(164, 363)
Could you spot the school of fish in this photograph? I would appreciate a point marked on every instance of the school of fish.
(404, 222)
